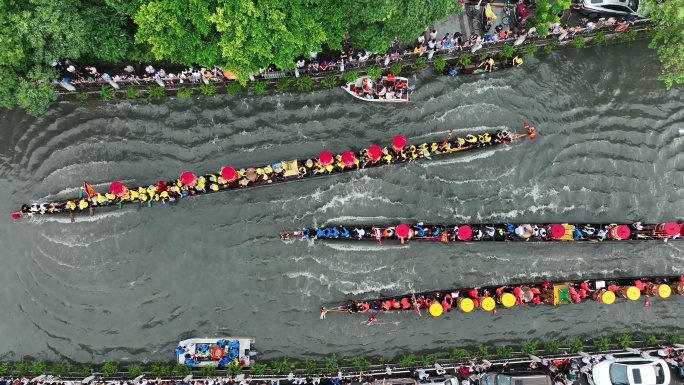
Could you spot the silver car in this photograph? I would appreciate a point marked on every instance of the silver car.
(596, 8)
(630, 371)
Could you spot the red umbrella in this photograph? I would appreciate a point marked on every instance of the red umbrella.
(557, 231)
(402, 231)
(465, 232)
(399, 142)
(161, 186)
(375, 152)
(116, 188)
(622, 231)
(348, 158)
(671, 228)
(228, 173)
(188, 178)
(681, 231)
(325, 158)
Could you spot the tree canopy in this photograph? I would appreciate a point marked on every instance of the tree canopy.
(668, 38)
(239, 35)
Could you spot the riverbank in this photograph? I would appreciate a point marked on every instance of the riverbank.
(307, 80)
(347, 367)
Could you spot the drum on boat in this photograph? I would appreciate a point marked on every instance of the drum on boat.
(664, 230)
(507, 299)
(465, 304)
(657, 289)
(630, 292)
(604, 296)
(487, 304)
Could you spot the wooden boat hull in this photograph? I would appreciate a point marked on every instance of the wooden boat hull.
(291, 171)
(490, 298)
(496, 232)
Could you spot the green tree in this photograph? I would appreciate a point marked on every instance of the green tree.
(668, 38)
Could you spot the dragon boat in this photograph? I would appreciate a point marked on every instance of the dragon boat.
(489, 298)
(229, 178)
(199, 352)
(496, 232)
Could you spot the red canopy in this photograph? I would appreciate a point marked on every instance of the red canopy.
(671, 228)
(681, 232)
(402, 231)
(399, 141)
(116, 188)
(465, 232)
(325, 158)
(348, 158)
(228, 173)
(188, 178)
(622, 231)
(375, 152)
(557, 231)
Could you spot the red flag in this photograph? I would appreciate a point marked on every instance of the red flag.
(89, 189)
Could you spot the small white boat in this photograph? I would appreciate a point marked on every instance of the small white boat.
(198, 352)
(382, 91)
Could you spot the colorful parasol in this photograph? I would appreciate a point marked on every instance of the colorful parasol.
(402, 231)
(671, 228)
(325, 157)
(465, 232)
(557, 231)
(116, 188)
(622, 232)
(399, 142)
(188, 178)
(228, 173)
(374, 152)
(348, 158)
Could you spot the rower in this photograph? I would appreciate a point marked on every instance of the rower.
(490, 231)
(459, 142)
(589, 230)
(478, 234)
(535, 231)
(505, 136)
(601, 235)
(487, 138)
(471, 139)
(577, 234)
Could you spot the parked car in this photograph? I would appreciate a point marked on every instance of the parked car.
(630, 371)
(596, 8)
(513, 378)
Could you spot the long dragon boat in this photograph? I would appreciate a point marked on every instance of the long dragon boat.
(496, 232)
(489, 298)
(229, 178)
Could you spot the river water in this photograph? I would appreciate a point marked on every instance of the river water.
(128, 284)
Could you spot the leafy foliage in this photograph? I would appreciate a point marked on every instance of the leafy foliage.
(578, 42)
(427, 360)
(282, 366)
(550, 46)
(350, 76)
(185, 92)
(106, 92)
(419, 64)
(329, 81)
(304, 83)
(4, 369)
(673, 338)
(627, 35)
(407, 360)
(530, 348)
(465, 60)
(504, 351)
(440, 63)
(373, 71)
(130, 92)
(602, 343)
(38, 368)
(234, 88)
(530, 48)
(108, 368)
(599, 37)
(82, 96)
(310, 367)
(650, 340)
(134, 371)
(575, 345)
(159, 369)
(84, 370)
(181, 370)
(361, 363)
(21, 368)
(552, 347)
(259, 86)
(459, 354)
(208, 89)
(331, 363)
(258, 369)
(208, 371)
(483, 352)
(507, 51)
(396, 68)
(60, 368)
(35, 97)
(547, 13)
(155, 92)
(668, 38)
(283, 83)
(624, 340)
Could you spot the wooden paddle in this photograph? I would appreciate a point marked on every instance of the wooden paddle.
(371, 319)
